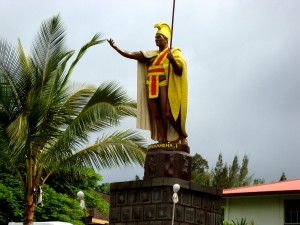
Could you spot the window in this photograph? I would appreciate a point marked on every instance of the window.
(292, 212)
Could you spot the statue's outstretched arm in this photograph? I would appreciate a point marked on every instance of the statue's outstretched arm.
(131, 55)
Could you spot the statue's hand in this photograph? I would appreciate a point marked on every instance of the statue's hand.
(176, 67)
(170, 56)
(112, 43)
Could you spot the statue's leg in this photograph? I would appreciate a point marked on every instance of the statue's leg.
(166, 110)
(155, 111)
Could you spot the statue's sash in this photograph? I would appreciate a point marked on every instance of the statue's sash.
(154, 71)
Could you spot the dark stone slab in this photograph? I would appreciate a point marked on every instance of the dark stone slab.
(168, 160)
(179, 212)
(126, 213)
(200, 217)
(210, 218)
(137, 213)
(189, 215)
(114, 214)
(164, 211)
(196, 200)
(157, 195)
(133, 197)
(149, 212)
(185, 198)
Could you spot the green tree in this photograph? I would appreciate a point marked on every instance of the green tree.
(104, 188)
(282, 177)
(57, 206)
(220, 173)
(233, 176)
(88, 183)
(244, 178)
(137, 178)
(258, 181)
(45, 121)
(200, 173)
(11, 199)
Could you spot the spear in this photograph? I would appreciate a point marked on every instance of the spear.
(172, 24)
(171, 38)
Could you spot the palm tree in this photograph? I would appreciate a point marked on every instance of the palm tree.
(45, 121)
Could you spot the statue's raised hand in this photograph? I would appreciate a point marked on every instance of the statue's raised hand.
(112, 43)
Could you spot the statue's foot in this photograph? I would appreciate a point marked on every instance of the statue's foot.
(184, 141)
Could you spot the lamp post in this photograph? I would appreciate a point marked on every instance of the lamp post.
(176, 188)
(80, 196)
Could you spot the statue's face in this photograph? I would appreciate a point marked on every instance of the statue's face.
(161, 40)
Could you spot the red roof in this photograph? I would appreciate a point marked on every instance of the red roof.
(281, 187)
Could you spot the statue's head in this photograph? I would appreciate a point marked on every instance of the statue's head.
(163, 29)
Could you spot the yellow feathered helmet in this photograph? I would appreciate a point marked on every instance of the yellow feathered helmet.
(164, 29)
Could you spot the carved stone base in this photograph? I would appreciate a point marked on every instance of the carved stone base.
(168, 160)
(150, 203)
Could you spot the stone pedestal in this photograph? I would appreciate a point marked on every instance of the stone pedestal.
(149, 202)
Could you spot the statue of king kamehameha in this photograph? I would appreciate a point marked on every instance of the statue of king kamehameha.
(162, 89)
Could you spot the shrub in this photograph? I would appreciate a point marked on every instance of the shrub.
(242, 222)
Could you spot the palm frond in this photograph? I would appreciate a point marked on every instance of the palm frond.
(94, 41)
(17, 132)
(120, 148)
(10, 76)
(48, 48)
(5, 95)
(112, 93)
(108, 104)
(96, 118)
(54, 96)
(78, 97)
(54, 85)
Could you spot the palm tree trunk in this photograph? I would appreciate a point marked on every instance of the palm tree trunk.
(29, 192)
(29, 210)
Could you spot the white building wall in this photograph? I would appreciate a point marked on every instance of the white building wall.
(266, 210)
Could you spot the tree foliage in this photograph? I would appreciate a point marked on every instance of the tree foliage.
(11, 199)
(200, 172)
(244, 179)
(222, 175)
(56, 206)
(103, 188)
(258, 181)
(46, 121)
(282, 177)
(87, 183)
(233, 176)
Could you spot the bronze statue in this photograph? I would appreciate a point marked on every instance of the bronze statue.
(162, 89)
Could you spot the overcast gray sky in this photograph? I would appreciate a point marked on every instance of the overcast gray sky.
(243, 68)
